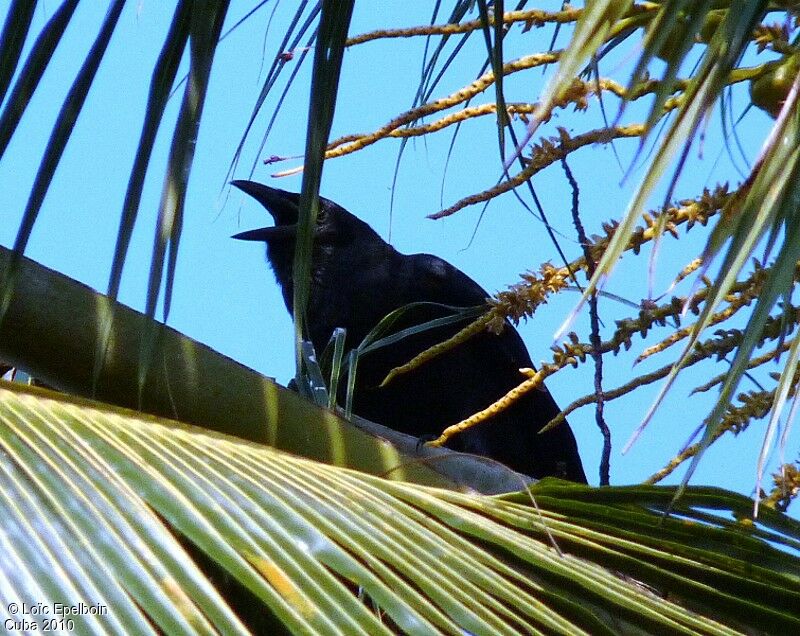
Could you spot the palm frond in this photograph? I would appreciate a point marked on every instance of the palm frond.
(559, 559)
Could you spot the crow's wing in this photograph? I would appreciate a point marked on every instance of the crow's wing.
(470, 377)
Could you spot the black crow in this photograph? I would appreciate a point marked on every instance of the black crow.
(356, 280)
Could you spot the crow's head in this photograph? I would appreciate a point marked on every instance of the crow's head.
(338, 234)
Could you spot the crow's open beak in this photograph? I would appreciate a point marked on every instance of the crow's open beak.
(280, 204)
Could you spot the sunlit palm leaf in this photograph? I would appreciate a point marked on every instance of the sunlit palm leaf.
(100, 543)
(305, 537)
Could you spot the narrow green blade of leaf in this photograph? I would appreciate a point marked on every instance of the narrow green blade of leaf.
(163, 77)
(437, 6)
(204, 28)
(332, 34)
(375, 340)
(316, 388)
(428, 82)
(493, 35)
(160, 86)
(352, 370)
(670, 35)
(779, 282)
(770, 192)
(336, 367)
(32, 71)
(422, 97)
(591, 30)
(67, 116)
(12, 39)
(232, 29)
(272, 76)
(785, 384)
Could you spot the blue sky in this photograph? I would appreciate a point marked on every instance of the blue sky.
(224, 294)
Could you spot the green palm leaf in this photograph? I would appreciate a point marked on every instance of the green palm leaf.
(311, 541)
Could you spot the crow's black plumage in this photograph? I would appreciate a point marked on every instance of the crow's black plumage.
(357, 279)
